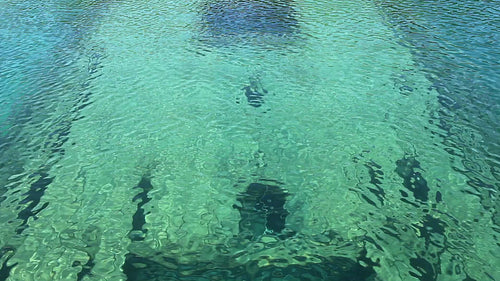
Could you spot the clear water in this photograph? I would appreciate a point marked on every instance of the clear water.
(249, 140)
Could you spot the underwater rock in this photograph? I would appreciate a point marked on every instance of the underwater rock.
(139, 219)
(413, 180)
(221, 19)
(333, 268)
(6, 252)
(33, 198)
(262, 210)
(254, 98)
(255, 93)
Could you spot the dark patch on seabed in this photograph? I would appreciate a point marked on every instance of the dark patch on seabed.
(139, 218)
(29, 108)
(427, 263)
(263, 211)
(34, 195)
(412, 179)
(137, 268)
(224, 20)
(428, 260)
(53, 146)
(31, 210)
(376, 176)
(6, 253)
(376, 194)
(468, 92)
(86, 268)
(29, 112)
(92, 240)
(255, 92)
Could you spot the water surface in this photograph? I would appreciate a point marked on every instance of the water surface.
(249, 140)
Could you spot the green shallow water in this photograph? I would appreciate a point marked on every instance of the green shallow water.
(138, 177)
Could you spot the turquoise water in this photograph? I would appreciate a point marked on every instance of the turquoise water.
(249, 140)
